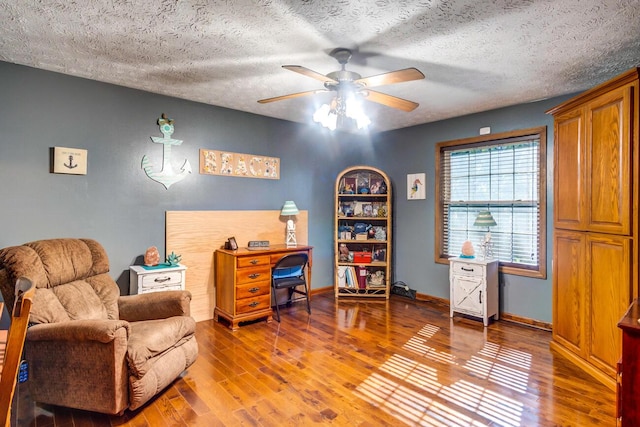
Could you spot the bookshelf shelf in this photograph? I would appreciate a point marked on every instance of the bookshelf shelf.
(362, 233)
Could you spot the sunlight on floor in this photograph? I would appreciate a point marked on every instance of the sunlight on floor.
(406, 387)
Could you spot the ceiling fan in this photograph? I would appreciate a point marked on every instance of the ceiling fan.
(346, 83)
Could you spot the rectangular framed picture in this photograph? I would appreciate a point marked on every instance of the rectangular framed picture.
(69, 160)
(367, 209)
(416, 186)
(348, 186)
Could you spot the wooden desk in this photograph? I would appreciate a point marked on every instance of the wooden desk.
(243, 282)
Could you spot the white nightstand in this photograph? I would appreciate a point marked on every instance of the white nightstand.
(474, 287)
(142, 280)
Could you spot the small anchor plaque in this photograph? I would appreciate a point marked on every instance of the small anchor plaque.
(70, 160)
(166, 176)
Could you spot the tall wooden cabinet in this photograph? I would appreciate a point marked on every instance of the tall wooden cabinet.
(362, 233)
(595, 252)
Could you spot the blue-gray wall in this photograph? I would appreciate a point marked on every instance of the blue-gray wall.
(116, 204)
(413, 151)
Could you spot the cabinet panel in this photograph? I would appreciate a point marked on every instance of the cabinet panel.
(610, 261)
(570, 205)
(609, 161)
(569, 292)
(467, 294)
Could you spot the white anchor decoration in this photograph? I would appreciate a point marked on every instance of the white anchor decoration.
(166, 176)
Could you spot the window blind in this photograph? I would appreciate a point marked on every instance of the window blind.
(502, 177)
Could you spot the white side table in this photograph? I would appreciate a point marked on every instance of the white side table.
(474, 288)
(143, 280)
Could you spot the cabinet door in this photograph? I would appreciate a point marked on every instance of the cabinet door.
(570, 207)
(569, 290)
(467, 294)
(609, 296)
(609, 160)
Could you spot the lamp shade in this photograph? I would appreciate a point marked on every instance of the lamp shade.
(484, 219)
(289, 208)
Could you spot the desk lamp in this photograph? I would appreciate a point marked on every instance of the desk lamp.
(485, 219)
(290, 209)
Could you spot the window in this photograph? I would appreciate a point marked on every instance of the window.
(505, 175)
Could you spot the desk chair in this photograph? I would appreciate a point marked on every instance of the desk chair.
(13, 349)
(289, 273)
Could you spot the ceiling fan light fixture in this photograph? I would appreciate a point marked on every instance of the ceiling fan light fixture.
(344, 111)
(326, 116)
(353, 109)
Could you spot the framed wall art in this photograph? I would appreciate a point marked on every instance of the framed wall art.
(69, 160)
(416, 186)
(215, 162)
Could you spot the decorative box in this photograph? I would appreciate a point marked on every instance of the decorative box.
(361, 236)
(363, 257)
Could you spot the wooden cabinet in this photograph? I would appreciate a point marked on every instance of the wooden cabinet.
(362, 233)
(595, 250)
(629, 368)
(593, 164)
(474, 288)
(243, 282)
(143, 280)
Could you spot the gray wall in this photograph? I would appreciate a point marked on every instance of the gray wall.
(116, 204)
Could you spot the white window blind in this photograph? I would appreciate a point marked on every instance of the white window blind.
(503, 177)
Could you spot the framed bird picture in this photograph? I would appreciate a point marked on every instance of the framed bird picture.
(416, 186)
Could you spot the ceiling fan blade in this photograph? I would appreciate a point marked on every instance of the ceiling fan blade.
(309, 73)
(388, 100)
(399, 76)
(291, 95)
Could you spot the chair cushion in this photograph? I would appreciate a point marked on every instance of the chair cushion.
(288, 282)
(150, 338)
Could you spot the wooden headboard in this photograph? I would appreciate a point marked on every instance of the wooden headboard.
(197, 234)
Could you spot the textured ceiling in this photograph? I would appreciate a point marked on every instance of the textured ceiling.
(476, 55)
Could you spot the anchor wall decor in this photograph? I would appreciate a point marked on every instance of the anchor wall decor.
(69, 160)
(166, 176)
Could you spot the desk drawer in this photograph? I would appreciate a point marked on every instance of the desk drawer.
(250, 290)
(161, 279)
(252, 261)
(276, 257)
(253, 274)
(467, 269)
(247, 305)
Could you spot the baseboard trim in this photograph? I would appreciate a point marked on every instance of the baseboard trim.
(507, 317)
(443, 302)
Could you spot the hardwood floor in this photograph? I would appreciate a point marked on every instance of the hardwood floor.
(366, 364)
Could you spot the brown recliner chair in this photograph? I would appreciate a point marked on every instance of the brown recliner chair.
(88, 347)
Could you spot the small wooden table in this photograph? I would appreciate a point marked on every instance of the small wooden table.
(243, 282)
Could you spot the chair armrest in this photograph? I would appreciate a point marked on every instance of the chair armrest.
(154, 305)
(99, 330)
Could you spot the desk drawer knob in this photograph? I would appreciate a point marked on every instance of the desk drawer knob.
(254, 275)
(254, 290)
(254, 261)
(161, 279)
(466, 269)
(254, 304)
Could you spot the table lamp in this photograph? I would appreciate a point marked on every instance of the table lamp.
(290, 209)
(485, 219)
